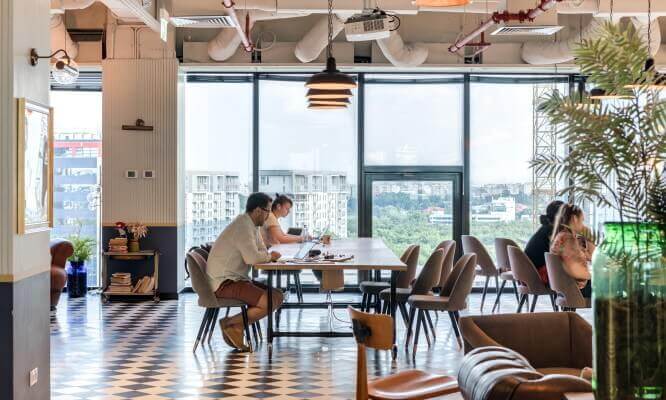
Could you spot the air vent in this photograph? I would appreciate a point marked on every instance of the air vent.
(527, 30)
(203, 21)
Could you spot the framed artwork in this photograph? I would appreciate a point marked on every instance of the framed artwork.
(35, 166)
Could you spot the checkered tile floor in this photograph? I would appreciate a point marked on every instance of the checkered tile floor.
(144, 351)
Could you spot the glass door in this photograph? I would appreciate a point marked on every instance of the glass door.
(413, 208)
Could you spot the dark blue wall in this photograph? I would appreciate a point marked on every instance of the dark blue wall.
(164, 239)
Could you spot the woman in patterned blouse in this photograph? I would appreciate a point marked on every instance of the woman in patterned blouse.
(572, 246)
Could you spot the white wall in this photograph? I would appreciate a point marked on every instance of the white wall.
(145, 89)
(24, 24)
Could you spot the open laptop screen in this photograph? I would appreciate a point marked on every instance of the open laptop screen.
(304, 250)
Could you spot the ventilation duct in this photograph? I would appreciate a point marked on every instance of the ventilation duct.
(315, 41)
(401, 54)
(561, 51)
(59, 6)
(60, 38)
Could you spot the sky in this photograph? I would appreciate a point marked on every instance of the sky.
(77, 111)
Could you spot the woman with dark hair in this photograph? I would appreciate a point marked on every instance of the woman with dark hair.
(572, 246)
(539, 243)
(271, 230)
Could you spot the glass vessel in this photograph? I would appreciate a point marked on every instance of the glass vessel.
(77, 279)
(629, 304)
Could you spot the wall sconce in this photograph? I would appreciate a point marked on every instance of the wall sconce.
(64, 71)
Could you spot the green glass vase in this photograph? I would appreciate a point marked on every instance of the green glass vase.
(629, 304)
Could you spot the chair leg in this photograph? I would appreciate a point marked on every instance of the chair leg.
(424, 322)
(485, 290)
(454, 325)
(418, 331)
(523, 299)
(258, 325)
(432, 327)
(226, 315)
(207, 328)
(552, 302)
(410, 324)
(255, 334)
(299, 287)
(534, 302)
(364, 301)
(378, 304)
(204, 322)
(515, 291)
(499, 293)
(385, 308)
(212, 325)
(246, 327)
(403, 311)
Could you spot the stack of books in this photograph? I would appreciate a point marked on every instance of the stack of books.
(118, 245)
(145, 285)
(121, 282)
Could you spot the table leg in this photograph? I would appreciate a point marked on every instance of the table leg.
(269, 316)
(393, 306)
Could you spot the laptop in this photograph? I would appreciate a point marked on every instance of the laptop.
(304, 250)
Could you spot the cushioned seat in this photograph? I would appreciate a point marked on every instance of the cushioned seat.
(373, 287)
(429, 302)
(508, 276)
(560, 371)
(410, 384)
(402, 294)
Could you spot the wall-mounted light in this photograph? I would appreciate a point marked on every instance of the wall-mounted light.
(64, 70)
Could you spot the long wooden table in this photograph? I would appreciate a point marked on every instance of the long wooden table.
(370, 254)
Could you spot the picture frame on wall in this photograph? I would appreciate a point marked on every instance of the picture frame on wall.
(35, 166)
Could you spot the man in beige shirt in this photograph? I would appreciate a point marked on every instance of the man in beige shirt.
(237, 248)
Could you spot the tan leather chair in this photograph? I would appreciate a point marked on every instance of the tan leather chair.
(449, 247)
(554, 343)
(375, 331)
(497, 373)
(504, 265)
(452, 298)
(206, 298)
(569, 297)
(61, 250)
(372, 289)
(486, 266)
(528, 278)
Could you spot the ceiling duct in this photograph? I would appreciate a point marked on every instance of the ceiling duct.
(401, 54)
(527, 30)
(60, 38)
(203, 21)
(315, 41)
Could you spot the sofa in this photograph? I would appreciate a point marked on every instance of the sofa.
(61, 250)
(553, 342)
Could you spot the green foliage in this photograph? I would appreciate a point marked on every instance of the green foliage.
(83, 248)
(617, 149)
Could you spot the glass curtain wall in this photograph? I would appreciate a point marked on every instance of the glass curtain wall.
(218, 153)
(77, 119)
(506, 131)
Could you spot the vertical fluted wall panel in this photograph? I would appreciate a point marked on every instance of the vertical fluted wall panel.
(140, 89)
(6, 139)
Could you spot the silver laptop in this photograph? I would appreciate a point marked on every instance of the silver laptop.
(304, 250)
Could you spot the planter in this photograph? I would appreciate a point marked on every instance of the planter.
(133, 245)
(77, 279)
(629, 301)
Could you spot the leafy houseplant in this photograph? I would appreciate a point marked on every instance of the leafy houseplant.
(83, 248)
(616, 157)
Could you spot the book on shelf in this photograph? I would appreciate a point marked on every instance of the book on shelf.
(145, 285)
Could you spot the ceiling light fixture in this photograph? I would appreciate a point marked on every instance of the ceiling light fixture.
(331, 102)
(326, 107)
(330, 78)
(659, 81)
(314, 94)
(64, 70)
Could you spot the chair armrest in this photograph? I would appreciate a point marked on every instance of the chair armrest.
(551, 387)
(474, 337)
(581, 341)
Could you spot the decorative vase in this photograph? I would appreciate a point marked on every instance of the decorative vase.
(134, 245)
(77, 277)
(629, 301)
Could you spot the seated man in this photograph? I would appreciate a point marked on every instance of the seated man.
(237, 248)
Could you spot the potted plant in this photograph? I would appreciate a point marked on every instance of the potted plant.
(615, 158)
(77, 274)
(137, 231)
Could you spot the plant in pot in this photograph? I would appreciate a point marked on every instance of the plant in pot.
(615, 158)
(77, 274)
(137, 231)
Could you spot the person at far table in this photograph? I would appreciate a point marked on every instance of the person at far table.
(271, 230)
(570, 243)
(539, 243)
(238, 247)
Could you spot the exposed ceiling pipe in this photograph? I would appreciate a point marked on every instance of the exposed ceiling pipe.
(60, 38)
(315, 41)
(59, 6)
(247, 45)
(561, 51)
(497, 17)
(401, 54)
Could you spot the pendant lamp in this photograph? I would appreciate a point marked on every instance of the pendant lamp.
(440, 3)
(326, 107)
(330, 87)
(659, 81)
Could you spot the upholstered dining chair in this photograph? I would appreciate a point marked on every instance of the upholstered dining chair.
(452, 298)
(449, 247)
(208, 300)
(503, 264)
(486, 266)
(569, 297)
(529, 282)
(371, 289)
(374, 331)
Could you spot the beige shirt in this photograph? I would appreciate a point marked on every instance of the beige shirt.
(271, 221)
(237, 248)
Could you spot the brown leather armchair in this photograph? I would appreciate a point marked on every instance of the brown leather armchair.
(61, 250)
(554, 342)
(498, 373)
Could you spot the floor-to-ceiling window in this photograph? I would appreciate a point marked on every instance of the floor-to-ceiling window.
(76, 170)
(507, 129)
(218, 153)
